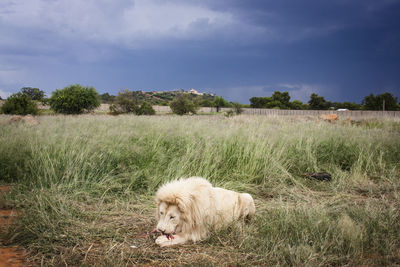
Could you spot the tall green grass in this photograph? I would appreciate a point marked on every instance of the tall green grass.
(77, 177)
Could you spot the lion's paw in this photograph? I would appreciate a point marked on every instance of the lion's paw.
(163, 241)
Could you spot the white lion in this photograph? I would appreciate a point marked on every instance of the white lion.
(188, 208)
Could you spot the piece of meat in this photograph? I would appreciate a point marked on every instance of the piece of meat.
(169, 236)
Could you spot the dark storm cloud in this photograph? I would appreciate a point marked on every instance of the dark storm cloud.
(341, 49)
(349, 46)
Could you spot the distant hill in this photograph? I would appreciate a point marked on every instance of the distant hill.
(163, 98)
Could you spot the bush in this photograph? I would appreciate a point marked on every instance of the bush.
(126, 102)
(386, 101)
(220, 102)
(206, 103)
(114, 109)
(183, 105)
(107, 98)
(33, 93)
(146, 109)
(237, 108)
(74, 99)
(19, 104)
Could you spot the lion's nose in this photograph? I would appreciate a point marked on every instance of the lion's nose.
(162, 230)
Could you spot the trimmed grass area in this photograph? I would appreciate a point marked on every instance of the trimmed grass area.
(85, 187)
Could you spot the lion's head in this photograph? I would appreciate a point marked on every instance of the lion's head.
(170, 219)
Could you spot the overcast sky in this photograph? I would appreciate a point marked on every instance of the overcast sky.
(340, 49)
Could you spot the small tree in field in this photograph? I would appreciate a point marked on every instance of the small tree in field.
(317, 102)
(146, 109)
(74, 99)
(183, 105)
(385, 101)
(237, 108)
(127, 102)
(19, 104)
(33, 93)
(220, 102)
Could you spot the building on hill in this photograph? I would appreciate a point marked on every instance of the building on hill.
(195, 92)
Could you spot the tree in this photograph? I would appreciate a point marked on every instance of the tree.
(127, 102)
(107, 98)
(259, 102)
(237, 108)
(317, 102)
(372, 102)
(296, 104)
(19, 104)
(146, 109)
(33, 93)
(280, 99)
(183, 105)
(74, 99)
(219, 102)
(206, 103)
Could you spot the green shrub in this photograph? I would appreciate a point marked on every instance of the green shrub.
(114, 109)
(19, 104)
(126, 102)
(220, 102)
(107, 98)
(183, 105)
(146, 109)
(33, 93)
(74, 99)
(237, 108)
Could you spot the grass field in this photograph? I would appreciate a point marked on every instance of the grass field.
(84, 186)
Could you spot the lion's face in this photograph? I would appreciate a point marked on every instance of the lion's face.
(169, 219)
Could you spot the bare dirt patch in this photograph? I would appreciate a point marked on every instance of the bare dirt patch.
(9, 256)
(7, 218)
(5, 189)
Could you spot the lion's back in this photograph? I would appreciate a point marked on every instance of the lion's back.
(231, 205)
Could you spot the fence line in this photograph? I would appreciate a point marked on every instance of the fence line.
(283, 112)
(341, 114)
(355, 114)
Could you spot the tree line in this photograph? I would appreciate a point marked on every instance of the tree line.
(76, 99)
(281, 100)
(73, 99)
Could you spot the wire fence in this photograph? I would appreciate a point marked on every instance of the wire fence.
(352, 114)
(355, 114)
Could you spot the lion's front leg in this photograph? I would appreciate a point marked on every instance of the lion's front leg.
(163, 240)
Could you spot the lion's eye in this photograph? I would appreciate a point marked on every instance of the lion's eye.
(161, 213)
(171, 217)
